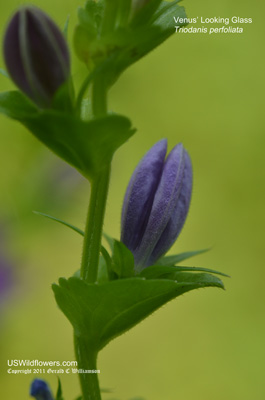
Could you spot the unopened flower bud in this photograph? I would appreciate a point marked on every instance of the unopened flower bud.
(36, 54)
(156, 203)
(40, 390)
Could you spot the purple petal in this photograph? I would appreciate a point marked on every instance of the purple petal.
(40, 390)
(12, 55)
(140, 194)
(36, 54)
(165, 200)
(48, 51)
(178, 216)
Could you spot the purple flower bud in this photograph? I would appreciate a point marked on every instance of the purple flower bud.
(40, 390)
(156, 203)
(36, 54)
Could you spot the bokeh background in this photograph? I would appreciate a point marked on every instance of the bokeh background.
(207, 92)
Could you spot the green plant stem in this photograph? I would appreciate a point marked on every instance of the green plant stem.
(98, 197)
(87, 361)
(86, 354)
(93, 231)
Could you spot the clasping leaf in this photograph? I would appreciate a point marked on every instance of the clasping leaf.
(87, 145)
(101, 312)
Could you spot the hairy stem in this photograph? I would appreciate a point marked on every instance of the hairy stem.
(86, 354)
(87, 361)
(93, 230)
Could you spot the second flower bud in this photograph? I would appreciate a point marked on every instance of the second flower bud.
(36, 55)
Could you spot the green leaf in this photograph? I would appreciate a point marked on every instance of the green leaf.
(148, 37)
(66, 26)
(122, 260)
(145, 13)
(110, 241)
(164, 16)
(86, 33)
(74, 228)
(115, 51)
(106, 256)
(105, 261)
(15, 105)
(158, 271)
(59, 394)
(93, 14)
(64, 98)
(83, 39)
(101, 312)
(103, 273)
(199, 278)
(87, 145)
(177, 258)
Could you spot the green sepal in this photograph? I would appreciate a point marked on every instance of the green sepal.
(109, 240)
(122, 260)
(87, 145)
(159, 271)
(106, 256)
(197, 278)
(65, 27)
(60, 221)
(103, 270)
(177, 258)
(101, 312)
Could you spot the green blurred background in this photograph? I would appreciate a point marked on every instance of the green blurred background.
(207, 92)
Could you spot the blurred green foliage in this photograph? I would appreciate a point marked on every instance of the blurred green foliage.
(206, 91)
